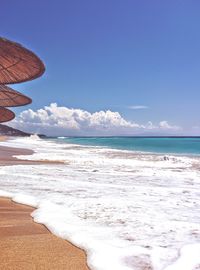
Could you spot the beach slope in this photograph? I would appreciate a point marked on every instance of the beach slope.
(25, 244)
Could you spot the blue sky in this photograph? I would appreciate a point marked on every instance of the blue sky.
(138, 58)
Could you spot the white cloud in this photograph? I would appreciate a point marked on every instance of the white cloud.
(137, 107)
(150, 126)
(166, 125)
(54, 121)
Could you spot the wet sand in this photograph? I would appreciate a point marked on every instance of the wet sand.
(7, 157)
(26, 245)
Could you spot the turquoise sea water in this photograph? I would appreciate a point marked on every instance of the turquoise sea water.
(175, 145)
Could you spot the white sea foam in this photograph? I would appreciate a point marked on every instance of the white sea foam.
(127, 210)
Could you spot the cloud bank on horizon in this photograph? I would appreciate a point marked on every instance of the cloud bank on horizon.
(53, 120)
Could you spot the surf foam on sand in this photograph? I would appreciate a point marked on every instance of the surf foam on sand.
(127, 210)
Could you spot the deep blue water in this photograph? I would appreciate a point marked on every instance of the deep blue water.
(183, 145)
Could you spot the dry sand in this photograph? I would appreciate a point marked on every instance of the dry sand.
(26, 245)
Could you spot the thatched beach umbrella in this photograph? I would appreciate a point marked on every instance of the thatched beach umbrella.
(18, 64)
(12, 98)
(6, 115)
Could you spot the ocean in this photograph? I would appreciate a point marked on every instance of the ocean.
(131, 203)
(173, 145)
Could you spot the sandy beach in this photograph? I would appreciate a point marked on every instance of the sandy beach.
(25, 244)
(7, 157)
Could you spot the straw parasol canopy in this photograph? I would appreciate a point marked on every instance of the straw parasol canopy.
(18, 64)
(12, 98)
(6, 115)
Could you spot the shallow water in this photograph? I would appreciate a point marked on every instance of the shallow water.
(128, 210)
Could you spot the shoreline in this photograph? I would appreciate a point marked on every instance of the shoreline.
(24, 243)
(7, 157)
(79, 201)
